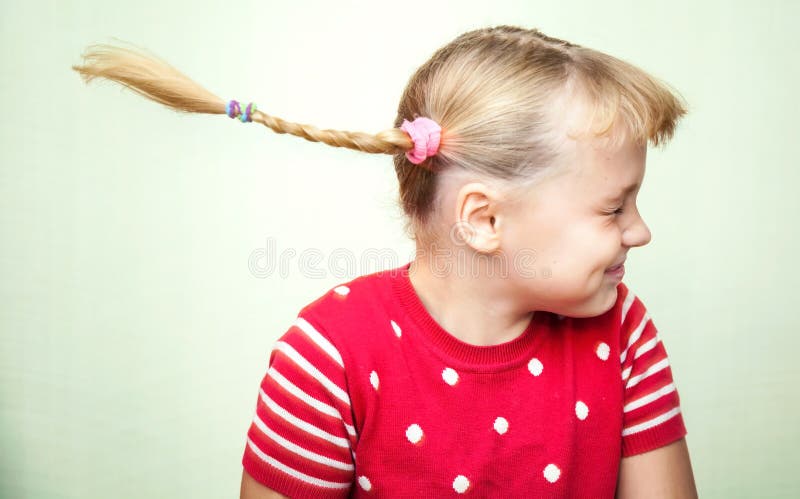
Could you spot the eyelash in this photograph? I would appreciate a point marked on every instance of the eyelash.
(618, 211)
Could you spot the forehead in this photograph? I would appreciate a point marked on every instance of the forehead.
(609, 159)
(604, 165)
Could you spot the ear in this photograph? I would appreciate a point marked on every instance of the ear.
(476, 206)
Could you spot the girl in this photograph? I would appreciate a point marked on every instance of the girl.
(488, 365)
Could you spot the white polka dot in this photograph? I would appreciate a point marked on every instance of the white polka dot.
(450, 376)
(551, 473)
(341, 290)
(414, 434)
(501, 425)
(581, 410)
(397, 329)
(365, 483)
(603, 350)
(461, 484)
(535, 366)
(373, 378)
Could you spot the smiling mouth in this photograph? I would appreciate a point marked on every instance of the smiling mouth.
(616, 267)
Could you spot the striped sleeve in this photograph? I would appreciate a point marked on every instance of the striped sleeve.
(301, 438)
(651, 406)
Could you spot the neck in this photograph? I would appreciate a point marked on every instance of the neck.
(473, 305)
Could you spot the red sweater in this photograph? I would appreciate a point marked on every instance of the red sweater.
(367, 395)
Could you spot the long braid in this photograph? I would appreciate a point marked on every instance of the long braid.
(148, 75)
(390, 141)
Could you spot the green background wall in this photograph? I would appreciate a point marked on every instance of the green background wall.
(136, 322)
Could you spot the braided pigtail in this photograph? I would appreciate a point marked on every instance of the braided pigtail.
(148, 75)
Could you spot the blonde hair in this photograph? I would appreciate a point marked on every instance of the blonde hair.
(494, 92)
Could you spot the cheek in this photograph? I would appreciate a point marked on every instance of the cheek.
(568, 247)
(588, 241)
(534, 236)
(607, 233)
(591, 248)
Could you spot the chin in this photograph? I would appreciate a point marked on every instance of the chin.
(612, 300)
(598, 304)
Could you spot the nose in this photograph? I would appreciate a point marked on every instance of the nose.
(637, 233)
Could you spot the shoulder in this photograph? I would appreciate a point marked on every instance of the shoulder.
(350, 313)
(360, 298)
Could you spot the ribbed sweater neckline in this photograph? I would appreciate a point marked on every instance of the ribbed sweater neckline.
(480, 357)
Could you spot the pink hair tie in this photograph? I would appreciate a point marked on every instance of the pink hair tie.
(425, 134)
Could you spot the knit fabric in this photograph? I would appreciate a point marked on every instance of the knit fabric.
(367, 395)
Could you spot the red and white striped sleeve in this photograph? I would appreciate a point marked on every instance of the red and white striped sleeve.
(651, 406)
(301, 438)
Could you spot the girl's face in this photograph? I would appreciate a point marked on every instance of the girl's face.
(575, 226)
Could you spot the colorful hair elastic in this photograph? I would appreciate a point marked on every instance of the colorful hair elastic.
(426, 135)
(234, 110)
